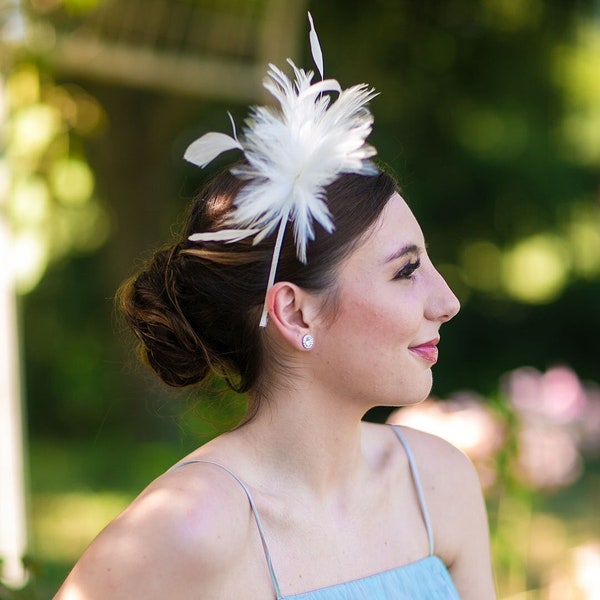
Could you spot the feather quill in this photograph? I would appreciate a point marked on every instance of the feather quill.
(315, 47)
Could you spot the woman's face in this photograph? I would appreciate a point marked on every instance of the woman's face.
(380, 348)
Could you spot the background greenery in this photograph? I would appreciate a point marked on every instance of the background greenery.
(489, 114)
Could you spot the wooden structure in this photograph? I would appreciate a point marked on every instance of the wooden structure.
(214, 49)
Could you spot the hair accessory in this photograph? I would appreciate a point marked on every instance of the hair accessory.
(308, 341)
(292, 153)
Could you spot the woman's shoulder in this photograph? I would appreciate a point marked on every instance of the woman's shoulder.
(434, 456)
(452, 490)
(191, 522)
(197, 501)
(446, 472)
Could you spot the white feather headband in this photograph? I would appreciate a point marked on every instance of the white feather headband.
(292, 154)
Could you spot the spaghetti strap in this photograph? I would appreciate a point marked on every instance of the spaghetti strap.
(417, 481)
(254, 512)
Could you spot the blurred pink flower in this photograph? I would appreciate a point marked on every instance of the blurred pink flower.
(590, 424)
(548, 457)
(558, 417)
(556, 395)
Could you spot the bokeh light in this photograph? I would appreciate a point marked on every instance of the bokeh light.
(536, 269)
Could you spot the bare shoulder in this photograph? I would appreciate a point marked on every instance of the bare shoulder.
(186, 528)
(450, 483)
(441, 462)
(456, 506)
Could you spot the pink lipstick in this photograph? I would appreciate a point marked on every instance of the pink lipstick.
(427, 351)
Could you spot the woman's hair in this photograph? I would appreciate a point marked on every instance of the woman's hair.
(195, 307)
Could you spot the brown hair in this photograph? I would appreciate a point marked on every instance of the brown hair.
(195, 307)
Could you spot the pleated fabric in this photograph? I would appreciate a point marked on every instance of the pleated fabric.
(426, 579)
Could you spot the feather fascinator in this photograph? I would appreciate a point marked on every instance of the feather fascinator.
(292, 153)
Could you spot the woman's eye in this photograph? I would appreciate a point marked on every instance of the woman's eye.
(406, 272)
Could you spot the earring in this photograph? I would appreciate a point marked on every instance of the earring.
(308, 341)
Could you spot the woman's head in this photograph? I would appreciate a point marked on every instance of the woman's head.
(195, 307)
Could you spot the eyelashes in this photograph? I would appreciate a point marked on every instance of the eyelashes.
(407, 271)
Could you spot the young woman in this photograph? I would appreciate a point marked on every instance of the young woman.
(302, 277)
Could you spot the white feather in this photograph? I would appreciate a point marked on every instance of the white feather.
(209, 146)
(224, 235)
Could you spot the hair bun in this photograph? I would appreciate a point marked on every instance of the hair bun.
(168, 343)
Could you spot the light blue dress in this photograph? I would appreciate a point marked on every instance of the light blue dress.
(425, 579)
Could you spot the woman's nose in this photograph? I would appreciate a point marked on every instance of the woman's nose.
(443, 303)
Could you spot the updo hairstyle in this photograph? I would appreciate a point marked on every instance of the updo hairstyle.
(195, 307)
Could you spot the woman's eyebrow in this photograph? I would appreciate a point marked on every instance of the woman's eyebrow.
(407, 249)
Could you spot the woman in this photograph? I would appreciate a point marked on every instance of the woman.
(303, 499)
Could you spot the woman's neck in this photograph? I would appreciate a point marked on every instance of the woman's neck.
(314, 442)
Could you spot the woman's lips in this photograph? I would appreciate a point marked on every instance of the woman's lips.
(427, 351)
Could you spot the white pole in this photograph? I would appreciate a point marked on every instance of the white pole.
(13, 535)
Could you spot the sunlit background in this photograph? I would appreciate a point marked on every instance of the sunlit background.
(489, 115)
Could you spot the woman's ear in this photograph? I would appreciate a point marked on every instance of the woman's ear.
(291, 310)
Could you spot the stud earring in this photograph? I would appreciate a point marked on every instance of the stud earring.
(308, 341)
